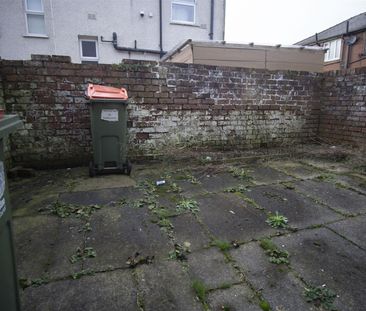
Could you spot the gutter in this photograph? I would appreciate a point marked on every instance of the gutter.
(127, 49)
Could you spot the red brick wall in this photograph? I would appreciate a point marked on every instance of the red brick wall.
(171, 104)
(357, 57)
(343, 107)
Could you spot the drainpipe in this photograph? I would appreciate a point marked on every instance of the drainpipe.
(212, 19)
(135, 49)
(348, 52)
(161, 28)
(224, 23)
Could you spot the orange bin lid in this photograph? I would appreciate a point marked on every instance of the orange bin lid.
(106, 92)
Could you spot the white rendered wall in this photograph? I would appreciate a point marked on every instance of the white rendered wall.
(66, 20)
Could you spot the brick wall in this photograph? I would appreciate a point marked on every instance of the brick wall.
(171, 104)
(343, 109)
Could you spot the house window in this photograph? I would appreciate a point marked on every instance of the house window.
(89, 50)
(34, 13)
(184, 11)
(334, 50)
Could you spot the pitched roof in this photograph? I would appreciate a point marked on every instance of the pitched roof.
(355, 23)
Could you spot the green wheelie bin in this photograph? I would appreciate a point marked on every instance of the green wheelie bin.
(9, 295)
(108, 114)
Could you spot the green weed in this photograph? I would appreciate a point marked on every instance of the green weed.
(276, 255)
(240, 173)
(81, 273)
(82, 254)
(288, 185)
(192, 179)
(64, 210)
(24, 283)
(165, 224)
(180, 251)
(174, 188)
(237, 189)
(250, 201)
(277, 220)
(321, 297)
(324, 177)
(188, 205)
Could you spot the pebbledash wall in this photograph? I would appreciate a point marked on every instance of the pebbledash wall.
(170, 105)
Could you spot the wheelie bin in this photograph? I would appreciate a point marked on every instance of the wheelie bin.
(108, 113)
(9, 295)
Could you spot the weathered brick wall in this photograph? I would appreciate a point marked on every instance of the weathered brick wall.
(343, 108)
(171, 104)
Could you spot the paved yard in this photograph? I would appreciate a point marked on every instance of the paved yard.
(205, 240)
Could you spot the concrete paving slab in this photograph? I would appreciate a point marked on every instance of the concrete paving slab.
(353, 182)
(100, 197)
(112, 291)
(103, 182)
(346, 201)
(230, 219)
(293, 168)
(34, 204)
(190, 190)
(237, 297)
(164, 286)
(43, 245)
(354, 229)
(187, 229)
(219, 182)
(301, 211)
(263, 175)
(322, 257)
(211, 267)
(331, 166)
(118, 233)
(278, 286)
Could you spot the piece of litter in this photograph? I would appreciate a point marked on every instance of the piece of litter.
(160, 182)
(232, 212)
(187, 245)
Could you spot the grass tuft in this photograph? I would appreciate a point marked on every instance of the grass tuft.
(222, 245)
(200, 290)
(264, 305)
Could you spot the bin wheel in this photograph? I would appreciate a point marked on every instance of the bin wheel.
(128, 168)
(92, 171)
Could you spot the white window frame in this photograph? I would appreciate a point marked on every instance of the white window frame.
(329, 46)
(87, 58)
(194, 4)
(32, 12)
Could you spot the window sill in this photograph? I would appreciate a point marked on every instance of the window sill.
(89, 61)
(36, 36)
(333, 61)
(184, 24)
